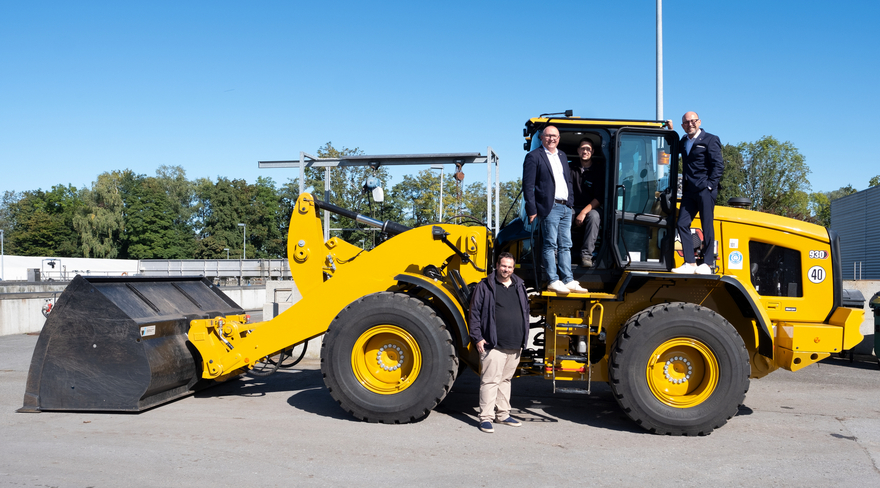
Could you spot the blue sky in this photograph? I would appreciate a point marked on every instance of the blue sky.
(88, 87)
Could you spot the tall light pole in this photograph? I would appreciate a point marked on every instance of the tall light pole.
(2, 257)
(659, 59)
(227, 252)
(244, 241)
(440, 167)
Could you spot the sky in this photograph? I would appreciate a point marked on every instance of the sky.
(89, 87)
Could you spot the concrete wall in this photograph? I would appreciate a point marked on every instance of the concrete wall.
(868, 289)
(21, 303)
(281, 295)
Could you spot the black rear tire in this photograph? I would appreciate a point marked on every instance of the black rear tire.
(388, 358)
(679, 369)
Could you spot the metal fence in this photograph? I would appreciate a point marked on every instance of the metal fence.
(242, 269)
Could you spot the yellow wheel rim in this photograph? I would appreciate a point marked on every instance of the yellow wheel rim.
(682, 373)
(386, 359)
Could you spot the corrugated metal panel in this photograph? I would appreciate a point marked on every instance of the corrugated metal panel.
(871, 266)
(857, 219)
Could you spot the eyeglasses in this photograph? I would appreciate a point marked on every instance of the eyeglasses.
(586, 148)
(548, 136)
(690, 122)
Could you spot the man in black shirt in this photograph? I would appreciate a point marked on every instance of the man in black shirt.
(499, 328)
(588, 183)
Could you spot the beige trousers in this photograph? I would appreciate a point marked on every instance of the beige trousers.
(498, 367)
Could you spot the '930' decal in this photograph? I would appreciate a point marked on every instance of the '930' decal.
(818, 254)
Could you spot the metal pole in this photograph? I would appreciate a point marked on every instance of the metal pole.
(302, 172)
(659, 59)
(326, 199)
(2, 256)
(440, 211)
(497, 189)
(243, 241)
(441, 195)
(488, 191)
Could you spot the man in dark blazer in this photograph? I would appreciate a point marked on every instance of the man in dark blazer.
(549, 198)
(702, 166)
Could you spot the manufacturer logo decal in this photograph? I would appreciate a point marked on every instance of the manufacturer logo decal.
(735, 260)
(816, 274)
(791, 309)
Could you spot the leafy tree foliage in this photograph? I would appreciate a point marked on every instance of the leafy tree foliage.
(875, 181)
(100, 221)
(347, 191)
(772, 174)
(820, 203)
(128, 215)
(733, 180)
(39, 223)
(154, 227)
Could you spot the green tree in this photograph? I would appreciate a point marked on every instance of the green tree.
(347, 191)
(39, 223)
(475, 198)
(154, 228)
(100, 221)
(875, 181)
(775, 177)
(733, 180)
(415, 200)
(820, 204)
(223, 205)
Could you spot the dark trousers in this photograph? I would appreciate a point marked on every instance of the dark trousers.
(702, 202)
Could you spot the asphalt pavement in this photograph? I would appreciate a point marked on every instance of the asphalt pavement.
(818, 426)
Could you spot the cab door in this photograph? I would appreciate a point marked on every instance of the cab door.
(645, 168)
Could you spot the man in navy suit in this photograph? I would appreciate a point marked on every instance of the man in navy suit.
(549, 198)
(702, 166)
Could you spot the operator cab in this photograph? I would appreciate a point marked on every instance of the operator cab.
(637, 228)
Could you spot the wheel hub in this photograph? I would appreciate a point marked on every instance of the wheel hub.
(386, 357)
(682, 372)
(678, 370)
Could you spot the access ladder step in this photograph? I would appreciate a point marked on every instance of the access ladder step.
(578, 391)
(580, 359)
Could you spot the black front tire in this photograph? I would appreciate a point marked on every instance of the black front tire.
(679, 369)
(388, 358)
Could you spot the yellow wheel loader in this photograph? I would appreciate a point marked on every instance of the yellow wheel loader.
(677, 350)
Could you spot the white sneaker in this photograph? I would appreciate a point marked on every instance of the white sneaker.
(575, 287)
(703, 269)
(558, 287)
(685, 269)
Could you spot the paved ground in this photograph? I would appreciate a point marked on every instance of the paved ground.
(820, 425)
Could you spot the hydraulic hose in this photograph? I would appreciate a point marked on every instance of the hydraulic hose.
(391, 228)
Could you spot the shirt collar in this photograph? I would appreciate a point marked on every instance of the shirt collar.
(699, 131)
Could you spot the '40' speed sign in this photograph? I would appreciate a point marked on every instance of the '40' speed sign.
(816, 274)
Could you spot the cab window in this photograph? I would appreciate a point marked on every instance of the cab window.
(775, 270)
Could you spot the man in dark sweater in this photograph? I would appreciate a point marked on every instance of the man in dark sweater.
(588, 183)
(499, 327)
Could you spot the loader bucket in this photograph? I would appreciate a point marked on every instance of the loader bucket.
(120, 344)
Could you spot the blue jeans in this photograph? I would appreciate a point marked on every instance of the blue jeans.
(556, 242)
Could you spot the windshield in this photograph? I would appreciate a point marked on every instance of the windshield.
(643, 170)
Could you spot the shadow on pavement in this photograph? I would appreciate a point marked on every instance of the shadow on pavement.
(857, 361)
(532, 399)
(307, 387)
(533, 402)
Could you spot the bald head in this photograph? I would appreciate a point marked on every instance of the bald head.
(550, 138)
(690, 122)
